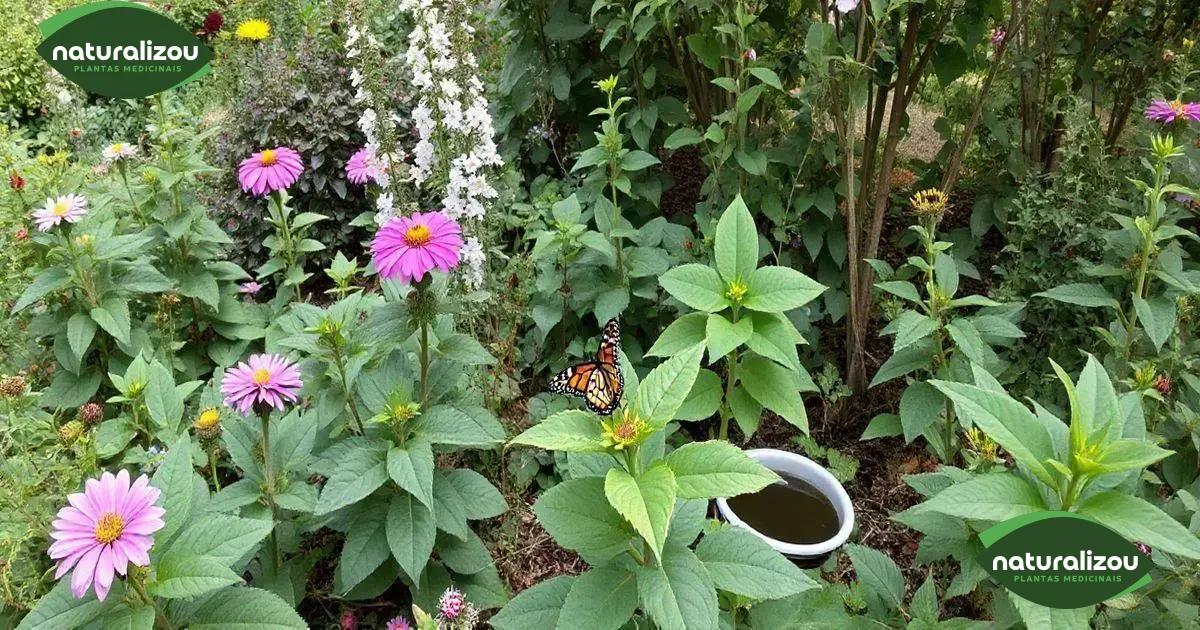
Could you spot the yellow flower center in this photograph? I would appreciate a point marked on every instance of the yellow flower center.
(61, 208)
(118, 147)
(109, 528)
(736, 291)
(417, 235)
(1177, 107)
(267, 157)
(262, 377)
(210, 417)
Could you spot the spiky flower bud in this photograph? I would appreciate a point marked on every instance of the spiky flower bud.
(12, 386)
(208, 424)
(736, 291)
(930, 202)
(91, 413)
(70, 432)
(451, 604)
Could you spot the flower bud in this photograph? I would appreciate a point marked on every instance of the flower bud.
(12, 386)
(91, 413)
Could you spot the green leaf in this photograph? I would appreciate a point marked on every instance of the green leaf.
(780, 289)
(724, 336)
(459, 425)
(477, 496)
(80, 332)
(682, 137)
(571, 431)
(577, 514)
(914, 357)
(49, 280)
(366, 545)
(912, 327)
(664, 389)
(704, 399)
(245, 608)
(637, 160)
(174, 478)
(1080, 293)
(1139, 520)
(1007, 422)
(920, 406)
(707, 470)
(200, 284)
(464, 349)
(464, 556)
(754, 162)
(775, 387)
(646, 501)
(1158, 318)
(1044, 618)
(61, 610)
(878, 574)
(162, 398)
(768, 76)
(1130, 454)
(741, 563)
(411, 467)
(697, 286)
(678, 594)
(221, 537)
(189, 576)
(357, 475)
(603, 598)
(680, 335)
(126, 619)
(536, 608)
(113, 317)
(736, 244)
(775, 337)
(411, 530)
(881, 426)
(901, 288)
(991, 497)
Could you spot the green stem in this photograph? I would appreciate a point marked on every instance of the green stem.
(731, 363)
(212, 468)
(340, 361)
(137, 210)
(269, 481)
(424, 366)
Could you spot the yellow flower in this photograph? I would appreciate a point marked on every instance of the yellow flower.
(929, 203)
(736, 291)
(624, 430)
(253, 30)
(208, 424)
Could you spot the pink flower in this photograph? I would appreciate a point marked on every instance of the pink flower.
(107, 526)
(264, 378)
(69, 208)
(362, 166)
(398, 623)
(250, 288)
(846, 6)
(1170, 111)
(998, 35)
(452, 603)
(269, 170)
(408, 247)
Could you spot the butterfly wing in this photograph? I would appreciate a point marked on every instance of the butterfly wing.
(574, 381)
(599, 383)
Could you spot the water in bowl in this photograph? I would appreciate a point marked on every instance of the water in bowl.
(791, 511)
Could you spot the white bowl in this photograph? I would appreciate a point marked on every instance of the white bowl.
(803, 468)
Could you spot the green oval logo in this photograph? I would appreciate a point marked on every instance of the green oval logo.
(1062, 560)
(122, 49)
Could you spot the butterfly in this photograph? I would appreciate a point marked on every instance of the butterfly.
(599, 383)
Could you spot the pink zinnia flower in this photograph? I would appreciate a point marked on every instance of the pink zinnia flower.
(250, 288)
(69, 208)
(107, 526)
(398, 623)
(361, 168)
(408, 247)
(264, 378)
(1170, 111)
(269, 170)
(451, 603)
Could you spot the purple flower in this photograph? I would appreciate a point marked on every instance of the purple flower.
(846, 6)
(398, 623)
(105, 528)
(250, 288)
(1169, 111)
(69, 208)
(269, 170)
(408, 247)
(998, 35)
(264, 378)
(362, 166)
(452, 603)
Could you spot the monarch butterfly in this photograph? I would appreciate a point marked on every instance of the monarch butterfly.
(599, 383)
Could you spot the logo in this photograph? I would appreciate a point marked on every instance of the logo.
(122, 49)
(1062, 560)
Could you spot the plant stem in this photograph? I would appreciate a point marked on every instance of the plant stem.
(212, 468)
(731, 362)
(269, 480)
(340, 361)
(424, 366)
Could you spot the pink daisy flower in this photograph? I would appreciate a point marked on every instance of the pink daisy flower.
(105, 528)
(398, 623)
(69, 208)
(250, 288)
(408, 247)
(361, 168)
(269, 170)
(264, 378)
(1169, 111)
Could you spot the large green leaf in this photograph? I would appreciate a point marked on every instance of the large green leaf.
(411, 467)
(1007, 422)
(411, 531)
(536, 608)
(1081, 294)
(61, 610)
(1044, 618)
(245, 608)
(992, 497)
(174, 478)
(736, 246)
(573, 430)
(460, 426)
(697, 286)
(775, 387)
(603, 598)
(681, 334)
(780, 289)
(190, 576)
(678, 594)
(664, 389)
(878, 574)
(707, 470)
(646, 501)
(80, 332)
(1138, 520)
(741, 563)
(359, 473)
(577, 514)
(221, 537)
(723, 336)
(366, 545)
(1158, 318)
(920, 406)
